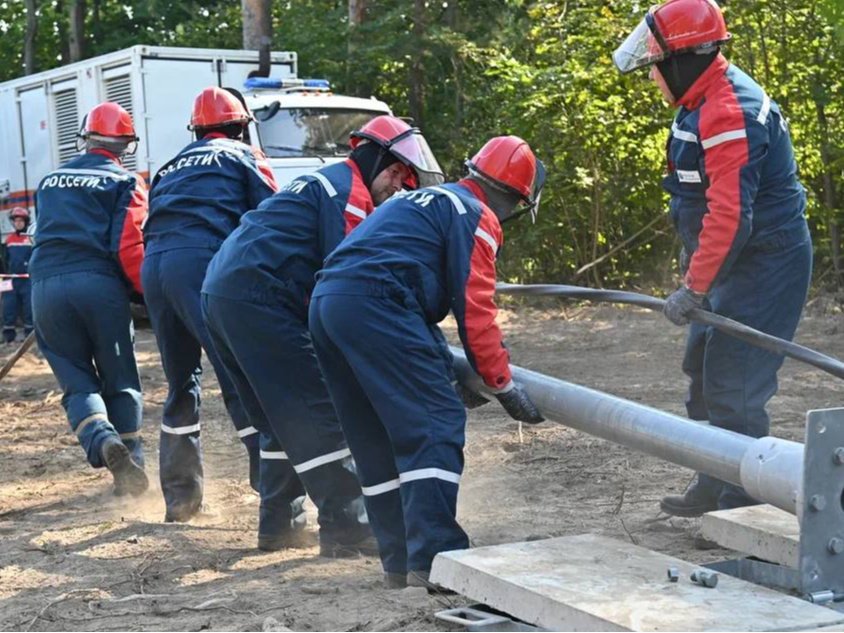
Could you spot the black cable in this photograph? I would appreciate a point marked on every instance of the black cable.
(721, 323)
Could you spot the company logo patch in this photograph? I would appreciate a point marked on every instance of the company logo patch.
(688, 176)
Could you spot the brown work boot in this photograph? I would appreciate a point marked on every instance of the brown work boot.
(129, 478)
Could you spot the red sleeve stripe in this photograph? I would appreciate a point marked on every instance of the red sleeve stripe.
(359, 205)
(131, 250)
(725, 148)
(266, 170)
(483, 336)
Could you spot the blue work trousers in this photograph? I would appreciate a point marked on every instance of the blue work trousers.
(273, 366)
(172, 281)
(732, 381)
(405, 424)
(84, 329)
(17, 303)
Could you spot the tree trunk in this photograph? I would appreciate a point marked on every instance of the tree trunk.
(76, 33)
(61, 29)
(830, 197)
(257, 24)
(357, 16)
(417, 71)
(29, 37)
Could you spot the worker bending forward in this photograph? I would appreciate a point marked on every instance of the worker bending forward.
(196, 201)
(256, 304)
(85, 264)
(373, 319)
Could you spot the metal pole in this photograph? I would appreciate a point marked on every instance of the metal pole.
(769, 468)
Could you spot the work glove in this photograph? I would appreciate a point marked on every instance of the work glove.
(471, 400)
(519, 406)
(680, 303)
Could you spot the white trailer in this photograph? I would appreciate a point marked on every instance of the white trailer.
(300, 124)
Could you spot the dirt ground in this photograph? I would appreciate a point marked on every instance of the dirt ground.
(73, 557)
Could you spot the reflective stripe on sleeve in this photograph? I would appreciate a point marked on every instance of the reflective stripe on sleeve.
(723, 137)
(486, 237)
(326, 184)
(350, 208)
(249, 430)
(682, 135)
(763, 112)
(455, 200)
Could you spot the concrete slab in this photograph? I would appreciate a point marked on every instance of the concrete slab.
(594, 583)
(762, 531)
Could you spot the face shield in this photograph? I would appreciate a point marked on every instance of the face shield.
(412, 149)
(643, 47)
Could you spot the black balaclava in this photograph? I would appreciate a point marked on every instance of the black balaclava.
(233, 131)
(681, 71)
(503, 203)
(372, 159)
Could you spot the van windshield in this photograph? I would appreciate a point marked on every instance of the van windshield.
(302, 132)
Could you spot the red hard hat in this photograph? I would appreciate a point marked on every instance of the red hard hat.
(109, 119)
(509, 162)
(672, 28)
(19, 212)
(406, 143)
(215, 107)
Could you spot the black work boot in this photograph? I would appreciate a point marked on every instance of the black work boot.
(700, 497)
(129, 478)
(345, 532)
(421, 579)
(348, 543)
(394, 581)
(295, 538)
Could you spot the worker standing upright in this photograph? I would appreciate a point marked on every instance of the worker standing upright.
(374, 318)
(256, 298)
(196, 200)
(17, 302)
(739, 208)
(85, 264)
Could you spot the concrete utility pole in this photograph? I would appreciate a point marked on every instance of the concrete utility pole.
(258, 31)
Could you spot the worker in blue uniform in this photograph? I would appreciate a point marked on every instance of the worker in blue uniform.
(739, 208)
(15, 262)
(373, 319)
(256, 298)
(85, 266)
(196, 201)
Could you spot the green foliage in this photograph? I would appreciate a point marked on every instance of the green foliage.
(538, 69)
